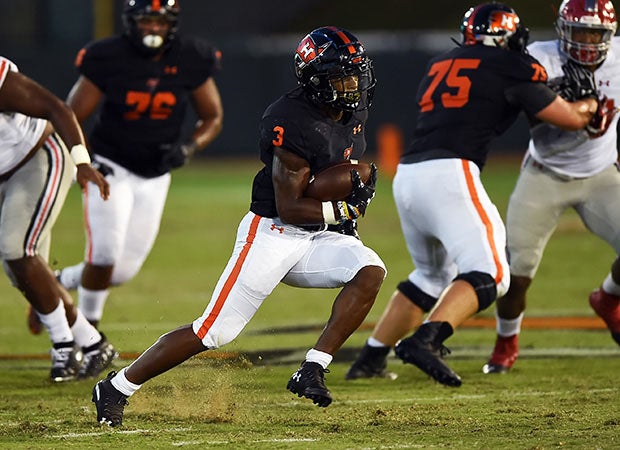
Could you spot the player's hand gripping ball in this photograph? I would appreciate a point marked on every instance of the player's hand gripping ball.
(333, 183)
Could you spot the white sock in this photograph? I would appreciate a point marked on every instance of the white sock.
(125, 386)
(71, 277)
(56, 324)
(508, 327)
(372, 342)
(84, 333)
(91, 302)
(319, 357)
(610, 286)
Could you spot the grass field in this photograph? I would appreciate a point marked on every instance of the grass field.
(563, 392)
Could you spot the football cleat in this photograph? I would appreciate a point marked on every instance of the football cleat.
(97, 358)
(110, 402)
(422, 350)
(308, 381)
(66, 362)
(371, 362)
(504, 354)
(607, 307)
(34, 323)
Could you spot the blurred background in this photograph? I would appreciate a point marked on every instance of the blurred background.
(258, 39)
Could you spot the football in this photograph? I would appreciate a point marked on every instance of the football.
(334, 181)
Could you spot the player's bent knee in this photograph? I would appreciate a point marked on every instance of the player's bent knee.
(416, 295)
(484, 285)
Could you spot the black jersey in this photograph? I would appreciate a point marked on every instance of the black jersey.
(470, 95)
(296, 124)
(145, 100)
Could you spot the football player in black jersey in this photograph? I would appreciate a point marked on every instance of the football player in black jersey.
(144, 81)
(287, 237)
(454, 233)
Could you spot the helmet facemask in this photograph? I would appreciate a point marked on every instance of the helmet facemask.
(585, 29)
(333, 68)
(139, 10)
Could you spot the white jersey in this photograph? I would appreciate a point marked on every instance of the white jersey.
(18, 133)
(574, 153)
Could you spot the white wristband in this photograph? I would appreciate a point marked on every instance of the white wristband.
(79, 155)
(328, 213)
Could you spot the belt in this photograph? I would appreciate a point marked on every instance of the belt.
(559, 176)
(313, 228)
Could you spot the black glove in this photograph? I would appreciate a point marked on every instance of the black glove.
(361, 195)
(178, 155)
(348, 227)
(577, 83)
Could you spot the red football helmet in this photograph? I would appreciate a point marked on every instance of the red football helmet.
(595, 16)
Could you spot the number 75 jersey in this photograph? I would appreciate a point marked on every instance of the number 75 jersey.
(470, 95)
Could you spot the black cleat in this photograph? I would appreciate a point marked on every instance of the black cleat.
(97, 358)
(423, 350)
(109, 401)
(308, 381)
(371, 362)
(66, 362)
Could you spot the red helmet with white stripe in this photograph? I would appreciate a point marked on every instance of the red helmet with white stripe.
(596, 18)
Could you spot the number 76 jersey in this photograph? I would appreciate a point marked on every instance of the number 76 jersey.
(145, 99)
(470, 95)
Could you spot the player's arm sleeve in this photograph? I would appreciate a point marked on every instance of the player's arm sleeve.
(206, 61)
(283, 133)
(532, 97)
(89, 64)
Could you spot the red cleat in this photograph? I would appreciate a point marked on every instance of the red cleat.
(607, 307)
(504, 355)
(34, 323)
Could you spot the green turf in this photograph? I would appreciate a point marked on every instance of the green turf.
(563, 392)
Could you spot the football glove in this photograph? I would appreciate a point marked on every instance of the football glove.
(361, 195)
(178, 155)
(577, 83)
(602, 118)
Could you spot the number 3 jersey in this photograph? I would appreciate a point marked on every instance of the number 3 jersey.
(470, 95)
(298, 125)
(145, 100)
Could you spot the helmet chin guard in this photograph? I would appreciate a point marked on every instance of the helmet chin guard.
(324, 59)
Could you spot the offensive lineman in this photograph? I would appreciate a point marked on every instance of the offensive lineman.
(567, 169)
(453, 231)
(287, 237)
(145, 79)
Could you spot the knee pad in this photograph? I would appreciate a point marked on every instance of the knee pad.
(416, 295)
(483, 284)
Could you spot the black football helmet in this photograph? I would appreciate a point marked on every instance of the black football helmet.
(594, 16)
(328, 54)
(134, 10)
(494, 25)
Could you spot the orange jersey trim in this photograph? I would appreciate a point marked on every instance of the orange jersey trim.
(230, 281)
(471, 187)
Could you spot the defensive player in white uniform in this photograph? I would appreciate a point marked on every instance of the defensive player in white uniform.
(36, 172)
(567, 169)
